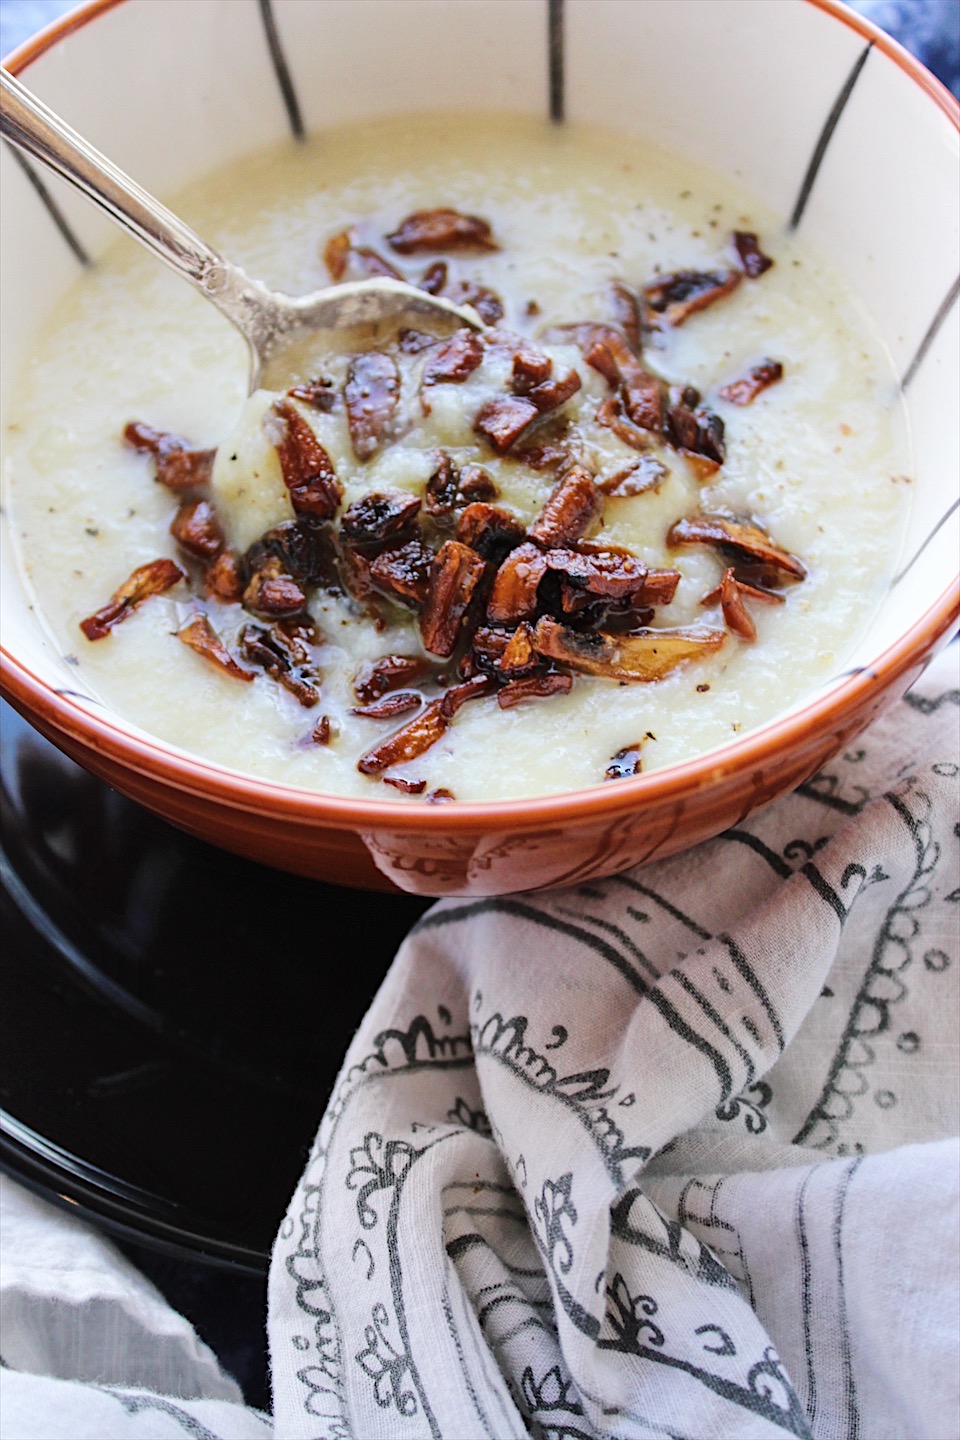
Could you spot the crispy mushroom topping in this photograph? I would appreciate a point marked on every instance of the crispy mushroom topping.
(572, 506)
(489, 530)
(745, 389)
(443, 487)
(307, 469)
(283, 653)
(642, 656)
(535, 687)
(752, 259)
(458, 695)
(531, 367)
(406, 743)
(177, 465)
(389, 707)
(302, 546)
(514, 594)
(604, 575)
(486, 302)
(390, 672)
(408, 787)
(441, 229)
(452, 362)
(737, 535)
(672, 299)
(345, 259)
(322, 732)
(146, 580)
(610, 415)
(476, 484)
(378, 516)
(698, 435)
(201, 637)
(404, 572)
(196, 527)
(371, 394)
(454, 576)
(223, 578)
(647, 473)
(503, 420)
(272, 592)
(519, 656)
(735, 613)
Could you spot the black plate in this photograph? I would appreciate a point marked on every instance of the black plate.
(173, 1017)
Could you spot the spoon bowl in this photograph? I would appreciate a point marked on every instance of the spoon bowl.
(265, 318)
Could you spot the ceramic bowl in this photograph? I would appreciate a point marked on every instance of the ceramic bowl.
(842, 133)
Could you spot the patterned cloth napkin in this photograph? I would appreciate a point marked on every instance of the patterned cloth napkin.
(667, 1155)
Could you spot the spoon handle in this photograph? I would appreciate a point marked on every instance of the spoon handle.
(27, 123)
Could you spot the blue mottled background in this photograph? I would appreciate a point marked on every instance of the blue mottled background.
(229, 1310)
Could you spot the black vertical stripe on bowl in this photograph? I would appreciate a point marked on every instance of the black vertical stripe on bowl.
(281, 69)
(52, 208)
(826, 135)
(555, 59)
(946, 305)
(936, 529)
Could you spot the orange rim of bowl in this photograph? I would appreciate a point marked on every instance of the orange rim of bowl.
(181, 771)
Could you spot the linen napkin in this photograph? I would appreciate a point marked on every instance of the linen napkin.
(666, 1155)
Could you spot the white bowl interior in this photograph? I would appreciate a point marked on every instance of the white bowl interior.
(172, 92)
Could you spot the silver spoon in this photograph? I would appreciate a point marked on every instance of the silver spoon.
(262, 316)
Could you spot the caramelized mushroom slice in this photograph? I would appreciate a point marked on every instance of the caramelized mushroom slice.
(514, 594)
(196, 527)
(282, 653)
(389, 707)
(573, 504)
(441, 229)
(503, 420)
(610, 415)
(223, 578)
(307, 469)
(390, 672)
(627, 313)
(455, 574)
(322, 732)
(531, 367)
(344, 258)
(201, 637)
(303, 548)
(752, 259)
(697, 434)
(406, 743)
(458, 695)
(371, 394)
(731, 595)
(177, 465)
(739, 536)
(519, 655)
(607, 576)
(672, 299)
(408, 787)
(272, 592)
(404, 573)
(489, 530)
(535, 687)
(451, 363)
(146, 580)
(647, 473)
(443, 488)
(745, 389)
(378, 516)
(486, 302)
(642, 656)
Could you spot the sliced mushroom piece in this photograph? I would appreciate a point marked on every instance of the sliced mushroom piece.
(308, 472)
(535, 687)
(283, 654)
(201, 637)
(303, 547)
(745, 389)
(177, 464)
(458, 695)
(371, 394)
(441, 229)
(627, 313)
(406, 743)
(378, 516)
(531, 367)
(608, 576)
(455, 574)
(672, 299)
(503, 420)
(752, 259)
(389, 707)
(646, 474)
(408, 787)
(390, 672)
(486, 302)
(345, 259)
(490, 530)
(697, 432)
(514, 594)
(151, 579)
(196, 528)
(451, 363)
(403, 573)
(610, 415)
(642, 656)
(272, 592)
(737, 535)
(519, 656)
(223, 578)
(572, 506)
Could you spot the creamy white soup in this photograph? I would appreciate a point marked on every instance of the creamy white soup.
(654, 503)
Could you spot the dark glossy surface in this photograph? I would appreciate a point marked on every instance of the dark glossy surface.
(173, 1017)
